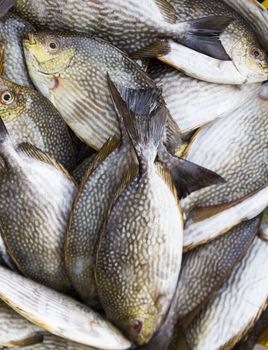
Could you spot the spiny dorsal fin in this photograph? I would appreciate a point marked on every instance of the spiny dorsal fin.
(167, 10)
(2, 59)
(159, 47)
(34, 152)
(109, 146)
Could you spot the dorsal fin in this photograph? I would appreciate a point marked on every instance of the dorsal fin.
(34, 152)
(109, 146)
(167, 11)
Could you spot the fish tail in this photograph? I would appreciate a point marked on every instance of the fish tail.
(187, 176)
(203, 35)
(144, 115)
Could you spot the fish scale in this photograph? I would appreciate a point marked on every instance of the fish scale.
(239, 154)
(89, 211)
(32, 118)
(82, 95)
(16, 330)
(12, 30)
(43, 222)
(202, 101)
(245, 293)
(203, 271)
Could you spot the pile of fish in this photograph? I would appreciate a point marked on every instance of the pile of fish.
(133, 174)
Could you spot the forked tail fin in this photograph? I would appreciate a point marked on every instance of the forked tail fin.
(203, 35)
(144, 114)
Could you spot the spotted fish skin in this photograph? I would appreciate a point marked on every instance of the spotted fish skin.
(140, 244)
(255, 14)
(235, 307)
(12, 30)
(133, 26)
(193, 103)
(236, 148)
(203, 271)
(74, 79)
(249, 59)
(90, 209)
(16, 330)
(33, 119)
(36, 199)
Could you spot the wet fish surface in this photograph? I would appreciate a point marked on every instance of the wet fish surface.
(30, 117)
(36, 199)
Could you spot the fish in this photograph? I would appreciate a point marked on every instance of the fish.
(102, 180)
(80, 171)
(65, 75)
(203, 231)
(236, 306)
(36, 195)
(12, 30)
(193, 103)
(58, 314)
(147, 24)
(249, 60)
(16, 330)
(29, 117)
(236, 148)
(255, 14)
(203, 272)
(100, 183)
(257, 335)
(51, 342)
(144, 265)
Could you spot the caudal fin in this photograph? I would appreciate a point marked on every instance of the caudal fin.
(144, 115)
(187, 176)
(5, 5)
(203, 35)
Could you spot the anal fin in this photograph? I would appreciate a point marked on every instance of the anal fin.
(157, 48)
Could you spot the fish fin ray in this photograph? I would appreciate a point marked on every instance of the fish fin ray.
(2, 59)
(167, 178)
(110, 145)
(167, 10)
(187, 176)
(144, 116)
(159, 47)
(34, 152)
(204, 36)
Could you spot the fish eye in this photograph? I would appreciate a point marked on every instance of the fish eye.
(53, 45)
(256, 52)
(136, 326)
(7, 97)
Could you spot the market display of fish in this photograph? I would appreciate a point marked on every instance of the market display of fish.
(248, 59)
(134, 174)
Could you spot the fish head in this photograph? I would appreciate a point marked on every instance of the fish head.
(140, 324)
(48, 56)
(13, 100)
(250, 59)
